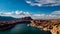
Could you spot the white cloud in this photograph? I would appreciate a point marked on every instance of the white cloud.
(21, 14)
(18, 12)
(56, 12)
(44, 16)
(28, 2)
(15, 14)
(6, 13)
(38, 16)
(53, 15)
(43, 2)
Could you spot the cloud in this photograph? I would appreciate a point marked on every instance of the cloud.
(44, 16)
(18, 12)
(56, 12)
(28, 2)
(6, 13)
(43, 2)
(53, 15)
(15, 14)
(21, 14)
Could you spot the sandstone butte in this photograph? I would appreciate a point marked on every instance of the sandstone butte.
(52, 25)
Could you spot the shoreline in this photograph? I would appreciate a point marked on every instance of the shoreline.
(50, 25)
(47, 25)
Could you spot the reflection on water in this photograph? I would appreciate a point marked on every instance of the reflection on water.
(23, 29)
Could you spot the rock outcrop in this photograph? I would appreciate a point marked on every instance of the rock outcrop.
(52, 25)
(4, 25)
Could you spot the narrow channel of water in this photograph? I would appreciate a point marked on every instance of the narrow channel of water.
(24, 29)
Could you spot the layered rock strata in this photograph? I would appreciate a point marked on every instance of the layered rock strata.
(47, 25)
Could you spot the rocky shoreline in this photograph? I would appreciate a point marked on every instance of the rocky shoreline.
(4, 25)
(52, 25)
(11, 24)
(47, 25)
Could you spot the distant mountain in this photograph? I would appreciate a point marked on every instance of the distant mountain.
(4, 18)
(27, 18)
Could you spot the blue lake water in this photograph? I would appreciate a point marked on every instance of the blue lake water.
(24, 29)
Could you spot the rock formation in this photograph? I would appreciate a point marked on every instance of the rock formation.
(52, 25)
(4, 25)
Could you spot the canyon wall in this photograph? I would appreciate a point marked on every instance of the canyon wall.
(47, 25)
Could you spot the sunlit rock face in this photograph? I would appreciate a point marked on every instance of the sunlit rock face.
(52, 25)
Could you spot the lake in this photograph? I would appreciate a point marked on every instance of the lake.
(22, 28)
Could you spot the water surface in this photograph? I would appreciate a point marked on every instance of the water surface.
(22, 28)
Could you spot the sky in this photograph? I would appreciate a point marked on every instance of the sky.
(34, 8)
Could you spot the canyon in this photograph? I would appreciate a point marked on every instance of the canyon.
(52, 25)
